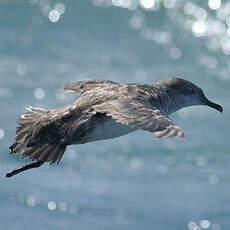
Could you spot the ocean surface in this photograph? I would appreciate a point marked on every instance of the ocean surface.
(132, 182)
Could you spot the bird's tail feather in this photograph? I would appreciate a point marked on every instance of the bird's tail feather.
(39, 147)
(27, 123)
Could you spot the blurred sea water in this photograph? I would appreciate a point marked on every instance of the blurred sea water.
(131, 182)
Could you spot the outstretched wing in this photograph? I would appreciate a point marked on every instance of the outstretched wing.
(142, 115)
(87, 85)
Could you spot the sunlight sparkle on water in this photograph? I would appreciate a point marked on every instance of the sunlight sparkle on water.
(205, 224)
(199, 28)
(147, 4)
(213, 179)
(169, 4)
(225, 44)
(51, 205)
(190, 8)
(129, 4)
(60, 7)
(2, 133)
(39, 93)
(21, 69)
(175, 53)
(214, 4)
(54, 15)
(117, 2)
(193, 226)
(63, 206)
(201, 14)
(31, 202)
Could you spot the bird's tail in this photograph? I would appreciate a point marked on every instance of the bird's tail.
(36, 140)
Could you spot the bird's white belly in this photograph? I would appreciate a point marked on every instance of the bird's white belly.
(106, 129)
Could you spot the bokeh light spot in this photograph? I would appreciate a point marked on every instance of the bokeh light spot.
(54, 15)
(31, 202)
(169, 4)
(60, 7)
(213, 179)
(2, 133)
(39, 93)
(201, 14)
(129, 4)
(190, 8)
(226, 46)
(62, 207)
(205, 224)
(175, 53)
(117, 2)
(192, 225)
(214, 4)
(21, 70)
(51, 205)
(199, 28)
(147, 4)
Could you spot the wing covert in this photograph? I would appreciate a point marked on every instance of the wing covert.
(141, 115)
(87, 85)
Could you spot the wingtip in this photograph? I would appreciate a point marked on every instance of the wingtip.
(65, 85)
(184, 138)
(166, 134)
(181, 136)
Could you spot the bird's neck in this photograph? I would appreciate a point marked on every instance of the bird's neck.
(176, 103)
(169, 102)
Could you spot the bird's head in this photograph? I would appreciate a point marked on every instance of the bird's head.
(184, 93)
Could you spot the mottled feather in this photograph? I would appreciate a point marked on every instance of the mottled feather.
(87, 85)
(141, 115)
(104, 110)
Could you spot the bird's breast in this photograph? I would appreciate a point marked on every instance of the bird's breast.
(102, 128)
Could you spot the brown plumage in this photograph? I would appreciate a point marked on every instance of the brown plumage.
(104, 110)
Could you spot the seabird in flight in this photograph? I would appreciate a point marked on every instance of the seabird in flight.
(103, 110)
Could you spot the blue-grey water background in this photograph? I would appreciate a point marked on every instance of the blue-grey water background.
(131, 182)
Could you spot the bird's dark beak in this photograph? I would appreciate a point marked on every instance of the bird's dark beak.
(213, 105)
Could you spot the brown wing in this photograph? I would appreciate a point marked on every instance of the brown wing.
(142, 115)
(38, 138)
(87, 85)
(42, 134)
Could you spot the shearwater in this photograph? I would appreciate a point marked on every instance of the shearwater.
(104, 110)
